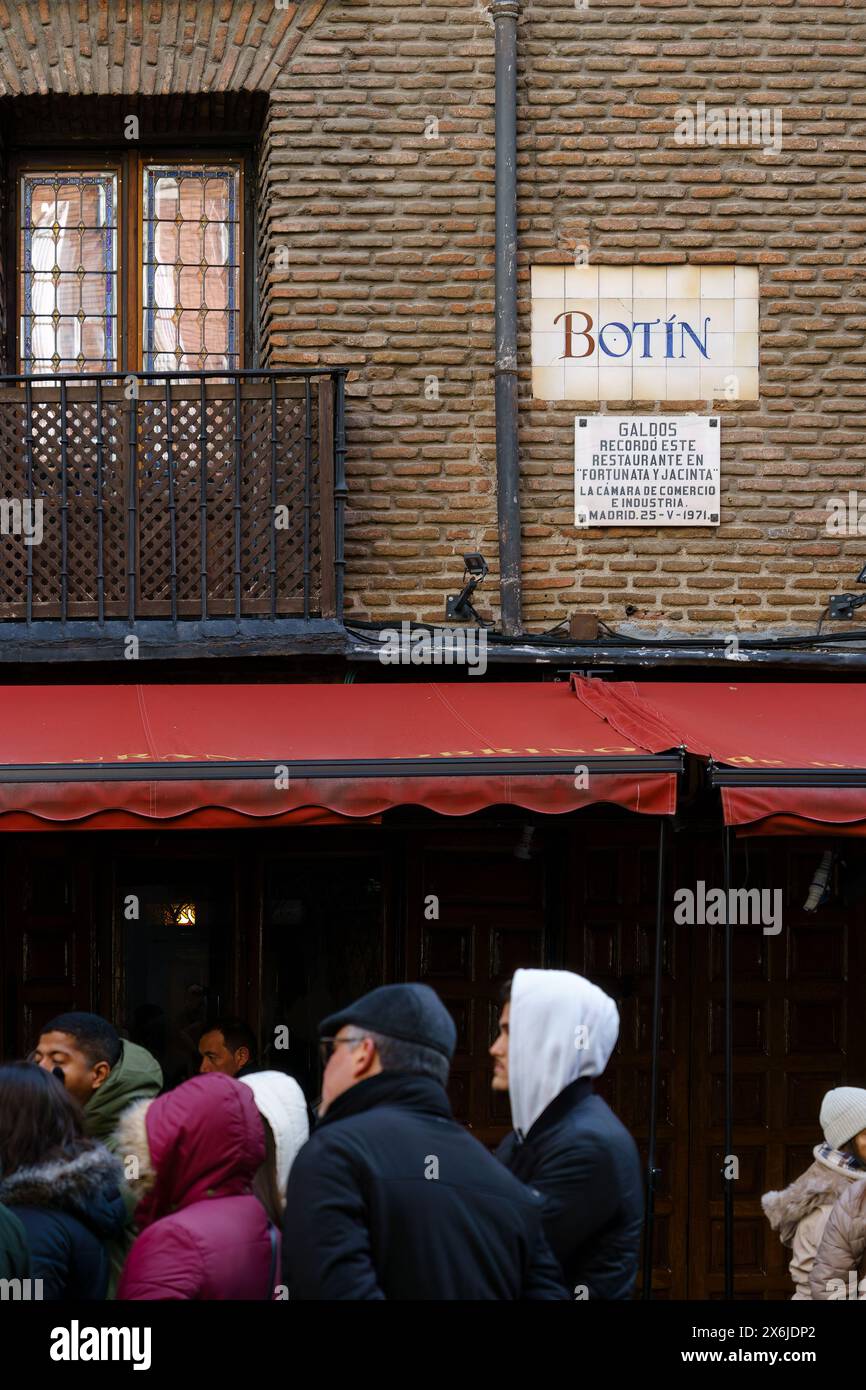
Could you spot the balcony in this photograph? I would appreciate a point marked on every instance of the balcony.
(208, 503)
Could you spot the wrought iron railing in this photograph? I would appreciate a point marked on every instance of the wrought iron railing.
(172, 495)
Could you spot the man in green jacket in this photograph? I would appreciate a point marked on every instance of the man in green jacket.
(105, 1074)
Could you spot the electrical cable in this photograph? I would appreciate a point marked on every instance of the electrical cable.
(363, 630)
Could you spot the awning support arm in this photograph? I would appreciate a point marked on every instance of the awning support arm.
(652, 1172)
(727, 1177)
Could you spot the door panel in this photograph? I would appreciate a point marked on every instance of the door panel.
(475, 914)
(48, 940)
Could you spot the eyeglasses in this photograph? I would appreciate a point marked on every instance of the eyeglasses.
(327, 1045)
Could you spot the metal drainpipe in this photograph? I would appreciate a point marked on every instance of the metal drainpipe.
(505, 13)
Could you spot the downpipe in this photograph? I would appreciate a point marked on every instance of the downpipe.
(505, 15)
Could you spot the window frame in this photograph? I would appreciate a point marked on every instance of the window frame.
(128, 166)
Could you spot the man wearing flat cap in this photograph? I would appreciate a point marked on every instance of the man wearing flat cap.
(391, 1198)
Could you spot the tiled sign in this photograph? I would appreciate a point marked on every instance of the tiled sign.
(645, 333)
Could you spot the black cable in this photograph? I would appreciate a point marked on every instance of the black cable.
(546, 639)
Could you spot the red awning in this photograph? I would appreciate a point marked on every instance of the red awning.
(774, 744)
(106, 757)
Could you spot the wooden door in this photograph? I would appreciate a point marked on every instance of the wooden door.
(799, 1029)
(610, 938)
(475, 914)
(49, 948)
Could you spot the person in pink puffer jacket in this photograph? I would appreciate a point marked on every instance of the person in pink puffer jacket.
(192, 1155)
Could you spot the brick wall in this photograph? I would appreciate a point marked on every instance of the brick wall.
(599, 165)
(376, 248)
(148, 46)
(391, 259)
(389, 238)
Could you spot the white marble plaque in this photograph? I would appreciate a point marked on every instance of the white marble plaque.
(646, 470)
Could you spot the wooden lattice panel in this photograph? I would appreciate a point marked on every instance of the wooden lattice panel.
(13, 484)
(206, 457)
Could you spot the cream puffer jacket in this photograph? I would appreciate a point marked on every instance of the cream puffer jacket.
(800, 1211)
(840, 1261)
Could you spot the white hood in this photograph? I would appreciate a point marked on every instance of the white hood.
(280, 1100)
(560, 1027)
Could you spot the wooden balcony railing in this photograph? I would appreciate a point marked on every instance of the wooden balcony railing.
(172, 495)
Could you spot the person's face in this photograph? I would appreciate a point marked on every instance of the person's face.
(215, 1056)
(499, 1053)
(352, 1059)
(80, 1078)
(859, 1142)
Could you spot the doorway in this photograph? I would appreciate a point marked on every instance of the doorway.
(175, 944)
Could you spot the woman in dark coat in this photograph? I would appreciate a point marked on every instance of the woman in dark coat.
(63, 1188)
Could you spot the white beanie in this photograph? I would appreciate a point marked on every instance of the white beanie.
(843, 1114)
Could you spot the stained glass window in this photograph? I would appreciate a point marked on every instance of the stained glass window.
(68, 272)
(191, 267)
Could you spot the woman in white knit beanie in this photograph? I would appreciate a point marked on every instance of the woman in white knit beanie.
(799, 1212)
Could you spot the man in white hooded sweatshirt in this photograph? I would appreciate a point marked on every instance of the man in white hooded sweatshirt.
(557, 1031)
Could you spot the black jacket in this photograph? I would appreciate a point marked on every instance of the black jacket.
(390, 1198)
(69, 1208)
(585, 1164)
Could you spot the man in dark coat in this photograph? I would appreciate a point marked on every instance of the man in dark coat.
(228, 1045)
(557, 1031)
(390, 1198)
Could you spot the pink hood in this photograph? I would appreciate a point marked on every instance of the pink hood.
(206, 1140)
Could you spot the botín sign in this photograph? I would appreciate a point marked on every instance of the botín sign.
(645, 333)
(646, 470)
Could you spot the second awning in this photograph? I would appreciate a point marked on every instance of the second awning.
(787, 757)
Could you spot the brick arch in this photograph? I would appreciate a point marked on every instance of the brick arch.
(148, 47)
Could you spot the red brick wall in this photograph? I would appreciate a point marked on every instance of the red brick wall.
(389, 236)
(391, 241)
(599, 165)
(376, 248)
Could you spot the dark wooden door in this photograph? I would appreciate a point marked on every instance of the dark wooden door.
(49, 947)
(799, 1029)
(610, 938)
(579, 895)
(475, 914)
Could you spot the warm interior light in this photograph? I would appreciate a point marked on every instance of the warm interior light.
(179, 915)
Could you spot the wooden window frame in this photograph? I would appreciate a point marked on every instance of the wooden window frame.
(129, 165)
